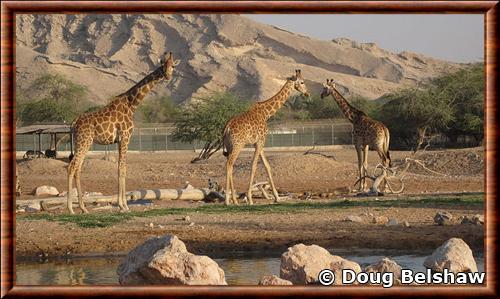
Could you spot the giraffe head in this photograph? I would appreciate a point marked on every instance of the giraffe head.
(168, 64)
(328, 88)
(298, 83)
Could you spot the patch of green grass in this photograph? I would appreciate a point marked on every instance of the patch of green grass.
(108, 219)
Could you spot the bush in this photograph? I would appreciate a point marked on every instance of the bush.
(205, 119)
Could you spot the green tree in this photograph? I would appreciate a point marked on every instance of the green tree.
(45, 111)
(59, 89)
(412, 114)
(51, 98)
(369, 107)
(159, 109)
(464, 91)
(204, 120)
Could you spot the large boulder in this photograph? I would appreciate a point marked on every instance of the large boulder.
(273, 280)
(165, 260)
(386, 265)
(454, 255)
(45, 190)
(301, 264)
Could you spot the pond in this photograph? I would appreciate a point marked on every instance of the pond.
(240, 269)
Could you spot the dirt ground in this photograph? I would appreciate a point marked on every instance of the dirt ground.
(224, 232)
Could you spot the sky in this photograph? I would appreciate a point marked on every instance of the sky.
(452, 37)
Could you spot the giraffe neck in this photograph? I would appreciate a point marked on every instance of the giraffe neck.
(269, 107)
(138, 92)
(349, 111)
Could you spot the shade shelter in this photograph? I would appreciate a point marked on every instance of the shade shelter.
(51, 129)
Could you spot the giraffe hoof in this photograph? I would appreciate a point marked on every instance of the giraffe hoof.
(85, 211)
(71, 212)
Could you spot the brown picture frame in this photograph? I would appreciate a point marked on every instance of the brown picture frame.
(9, 8)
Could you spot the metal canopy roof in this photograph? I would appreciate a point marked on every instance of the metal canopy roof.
(44, 129)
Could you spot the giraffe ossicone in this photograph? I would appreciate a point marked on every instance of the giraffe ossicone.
(112, 124)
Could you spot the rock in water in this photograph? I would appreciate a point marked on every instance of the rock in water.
(273, 280)
(165, 260)
(301, 264)
(386, 265)
(454, 255)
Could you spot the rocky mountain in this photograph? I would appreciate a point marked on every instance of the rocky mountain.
(109, 53)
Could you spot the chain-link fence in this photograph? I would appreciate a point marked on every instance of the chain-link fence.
(159, 138)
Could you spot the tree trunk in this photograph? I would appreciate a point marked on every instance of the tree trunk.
(208, 150)
(420, 138)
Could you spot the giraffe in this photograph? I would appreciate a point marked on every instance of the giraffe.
(250, 127)
(112, 124)
(366, 133)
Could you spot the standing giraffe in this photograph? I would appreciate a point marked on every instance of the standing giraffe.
(366, 132)
(250, 127)
(112, 124)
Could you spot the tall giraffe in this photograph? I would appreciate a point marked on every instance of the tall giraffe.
(250, 127)
(366, 133)
(112, 124)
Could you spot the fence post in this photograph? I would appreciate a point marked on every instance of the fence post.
(313, 135)
(140, 140)
(153, 140)
(333, 140)
(166, 140)
(272, 139)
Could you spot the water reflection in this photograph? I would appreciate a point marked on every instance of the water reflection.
(238, 270)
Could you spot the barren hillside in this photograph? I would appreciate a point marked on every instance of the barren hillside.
(109, 53)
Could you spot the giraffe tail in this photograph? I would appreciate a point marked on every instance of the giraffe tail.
(227, 145)
(386, 146)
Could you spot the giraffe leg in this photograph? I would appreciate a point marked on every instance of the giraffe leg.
(80, 193)
(71, 176)
(360, 166)
(122, 171)
(365, 165)
(256, 154)
(269, 174)
(74, 169)
(230, 190)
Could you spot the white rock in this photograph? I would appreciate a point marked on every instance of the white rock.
(301, 264)
(165, 260)
(271, 280)
(454, 255)
(45, 190)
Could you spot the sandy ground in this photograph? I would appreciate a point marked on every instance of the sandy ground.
(294, 172)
